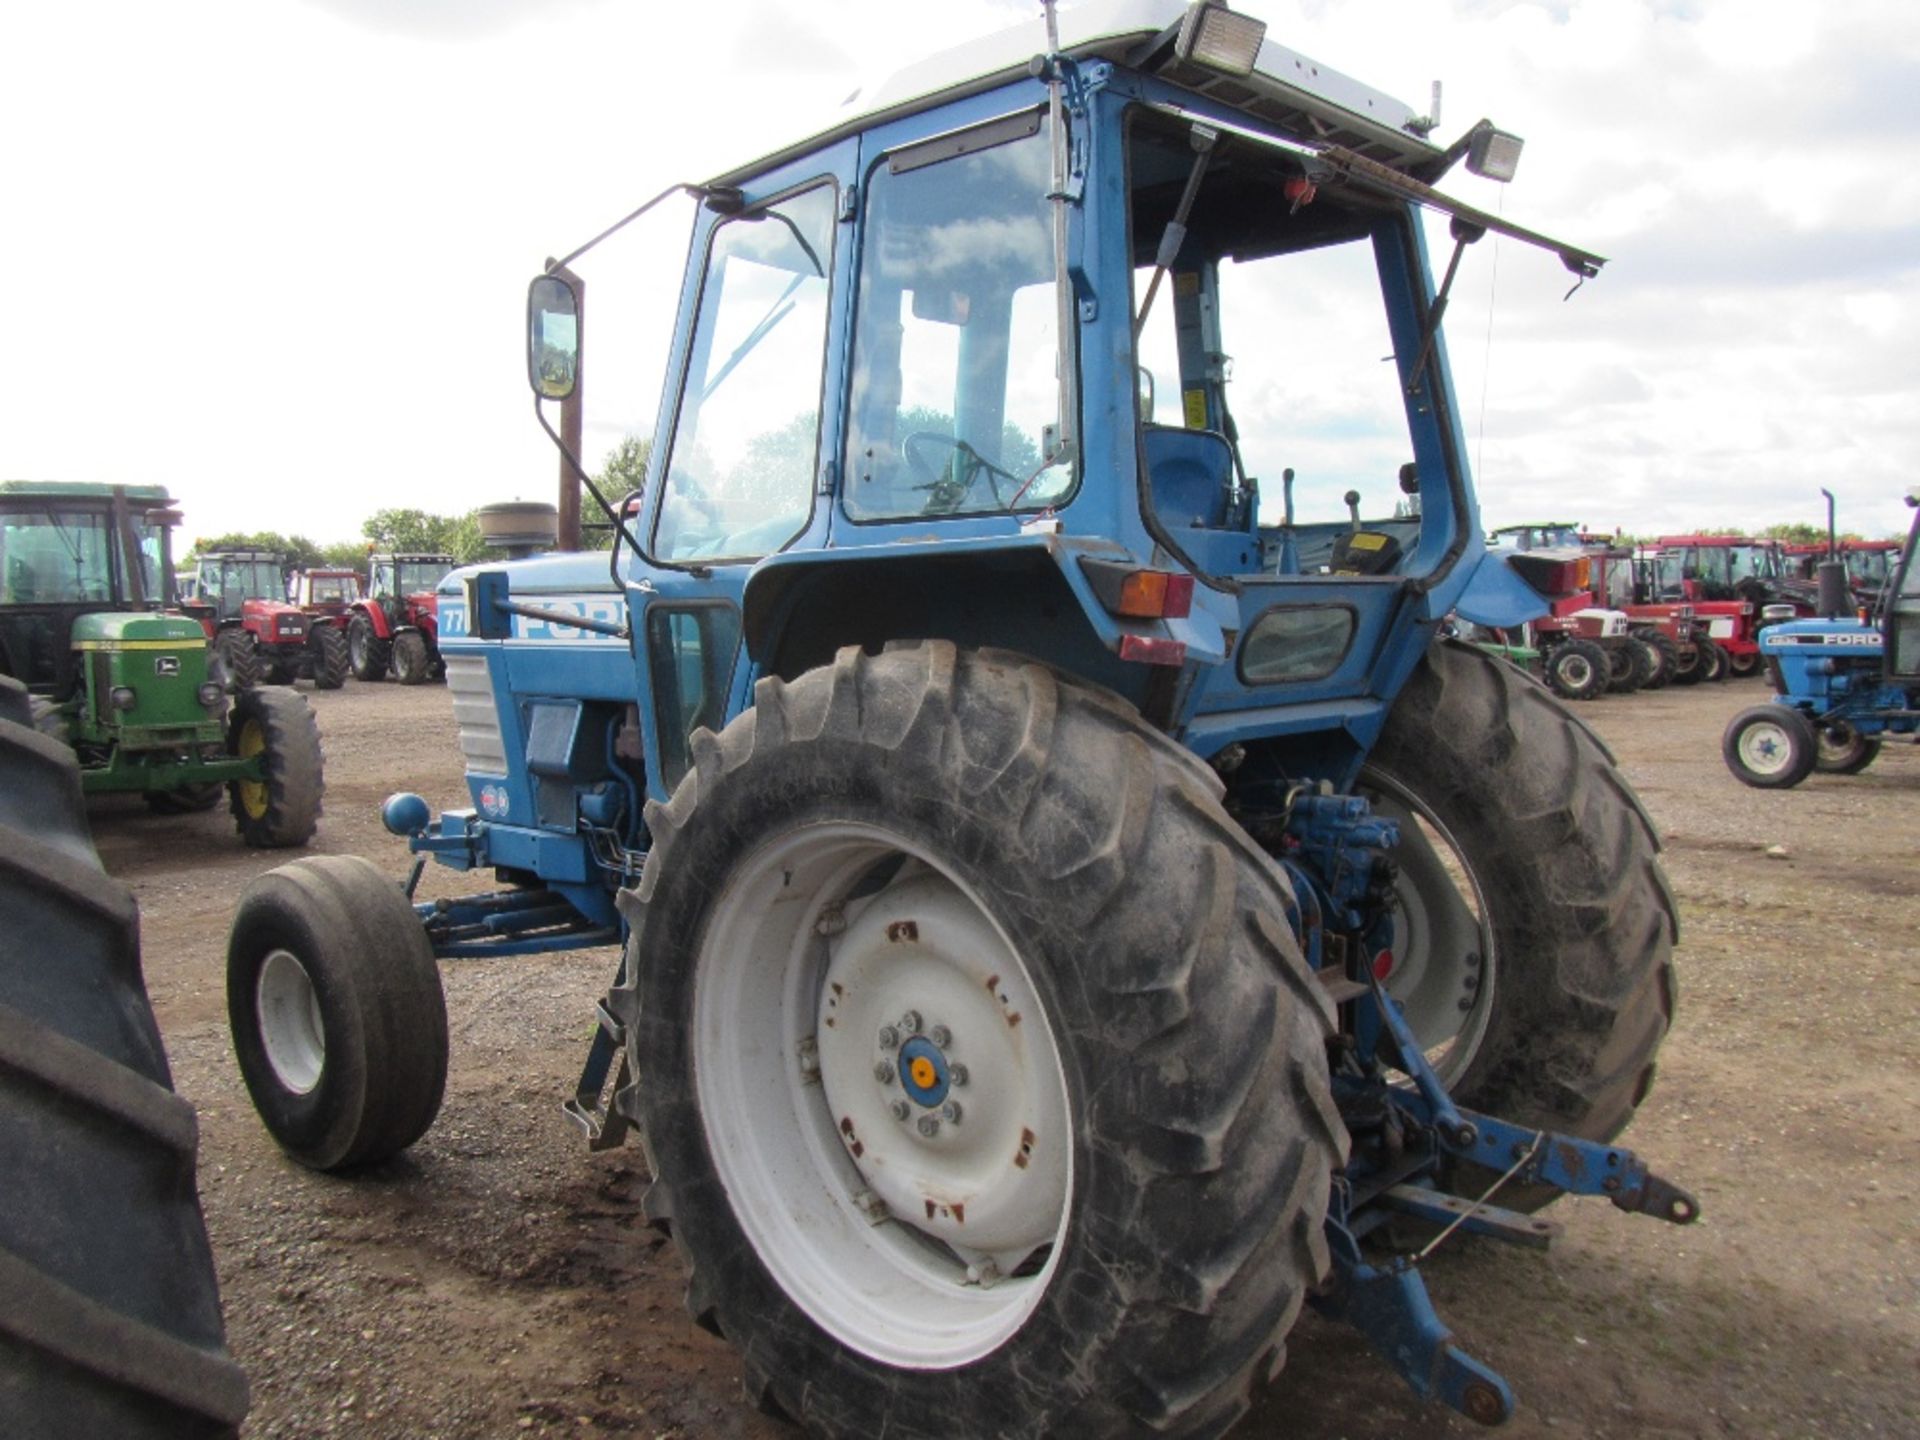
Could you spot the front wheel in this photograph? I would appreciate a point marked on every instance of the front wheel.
(282, 807)
(1714, 663)
(1577, 670)
(1770, 747)
(1534, 930)
(331, 661)
(1623, 668)
(1652, 658)
(367, 653)
(1843, 750)
(239, 659)
(983, 1084)
(412, 660)
(1742, 664)
(339, 1022)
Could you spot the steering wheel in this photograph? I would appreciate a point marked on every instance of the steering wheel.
(948, 491)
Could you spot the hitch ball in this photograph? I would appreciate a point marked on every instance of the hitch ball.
(406, 814)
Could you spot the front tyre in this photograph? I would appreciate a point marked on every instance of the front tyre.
(412, 660)
(282, 807)
(983, 1084)
(367, 653)
(1577, 670)
(331, 661)
(1770, 747)
(1535, 930)
(339, 1021)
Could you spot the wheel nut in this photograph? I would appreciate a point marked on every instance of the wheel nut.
(951, 1111)
(889, 1037)
(957, 1074)
(940, 1036)
(883, 1072)
(910, 1022)
(929, 1126)
(898, 1109)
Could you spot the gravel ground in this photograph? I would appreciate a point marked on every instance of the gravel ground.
(497, 1281)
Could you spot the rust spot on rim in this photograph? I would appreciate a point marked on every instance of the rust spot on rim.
(993, 984)
(1026, 1149)
(903, 930)
(959, 1214)
(853, 1141)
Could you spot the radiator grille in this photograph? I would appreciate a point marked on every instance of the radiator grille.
(470, 681)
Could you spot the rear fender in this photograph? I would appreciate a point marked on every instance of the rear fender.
(1025, 593)
(1498, 598)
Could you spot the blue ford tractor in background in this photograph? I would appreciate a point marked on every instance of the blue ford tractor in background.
(1844, 681)
(1074, 908)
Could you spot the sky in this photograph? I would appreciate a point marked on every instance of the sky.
(273, 253)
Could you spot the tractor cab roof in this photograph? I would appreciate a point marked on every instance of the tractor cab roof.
(1709, 541)
(1288, 94)
(58, 491)
(408, 557)
(244, 553)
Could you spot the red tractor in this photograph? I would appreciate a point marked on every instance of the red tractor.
(1586, 647)
(326, 596)
(1730, 580)
(240, 599)
(1686, 654)
(396, 625)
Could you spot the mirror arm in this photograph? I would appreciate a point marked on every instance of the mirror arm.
(573, 461)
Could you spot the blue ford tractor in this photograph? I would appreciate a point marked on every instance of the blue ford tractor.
(1845, 682)
(1074, 909)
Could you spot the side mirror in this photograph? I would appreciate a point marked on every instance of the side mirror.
(553, 337)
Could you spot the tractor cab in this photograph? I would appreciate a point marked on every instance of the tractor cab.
(228, 579)
(68, 550)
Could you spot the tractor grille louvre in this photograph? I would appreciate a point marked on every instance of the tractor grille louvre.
(470, 681)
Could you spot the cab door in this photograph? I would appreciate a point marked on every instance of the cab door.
(745, 426)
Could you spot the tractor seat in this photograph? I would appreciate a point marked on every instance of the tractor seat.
(1191, 472)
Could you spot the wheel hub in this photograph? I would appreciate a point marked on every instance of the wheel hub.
(924, 1073)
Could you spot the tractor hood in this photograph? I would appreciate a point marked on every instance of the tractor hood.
(563, 573)
(131, 631)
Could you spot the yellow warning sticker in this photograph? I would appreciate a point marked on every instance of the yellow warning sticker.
(1195, 402)
(1365, 540)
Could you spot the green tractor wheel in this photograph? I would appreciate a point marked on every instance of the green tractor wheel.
(283, 806)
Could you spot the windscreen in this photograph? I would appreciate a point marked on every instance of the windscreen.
(52, 557)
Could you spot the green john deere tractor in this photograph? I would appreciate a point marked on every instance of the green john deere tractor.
(86, 573)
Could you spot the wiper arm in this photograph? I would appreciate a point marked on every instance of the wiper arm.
(781, 308)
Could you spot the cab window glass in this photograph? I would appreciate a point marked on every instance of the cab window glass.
(955, 390)
(50, 558)
(740, 473)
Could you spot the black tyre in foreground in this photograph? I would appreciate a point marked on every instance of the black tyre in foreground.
(1577, 670)
(1012, 1114)
(1554, 1017)
(331, 662)
(368, 654)
(339, 1021)
(283, 808)
(1770, 747)
(109, 1307)
(412, 659)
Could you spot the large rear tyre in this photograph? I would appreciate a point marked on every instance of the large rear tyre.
(1843, 750)
(339, 1021)
(331, 662)
(1577, 670)
(982, 1082)
(1536, 930)
(1770, 747)
(282, 807)
(368, 654)
(412, 660)
(109, 1307)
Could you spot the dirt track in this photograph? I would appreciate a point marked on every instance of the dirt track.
(497, 1281)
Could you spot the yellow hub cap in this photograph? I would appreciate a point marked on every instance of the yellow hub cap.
(253, 793)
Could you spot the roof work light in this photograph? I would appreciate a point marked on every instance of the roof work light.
(1216, 37)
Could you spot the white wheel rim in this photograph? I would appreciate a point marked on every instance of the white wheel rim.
(1840, 744)
(1447, 998)
(1576, 671)
(1765, 747)
(806, 1158)
(291, 1030)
